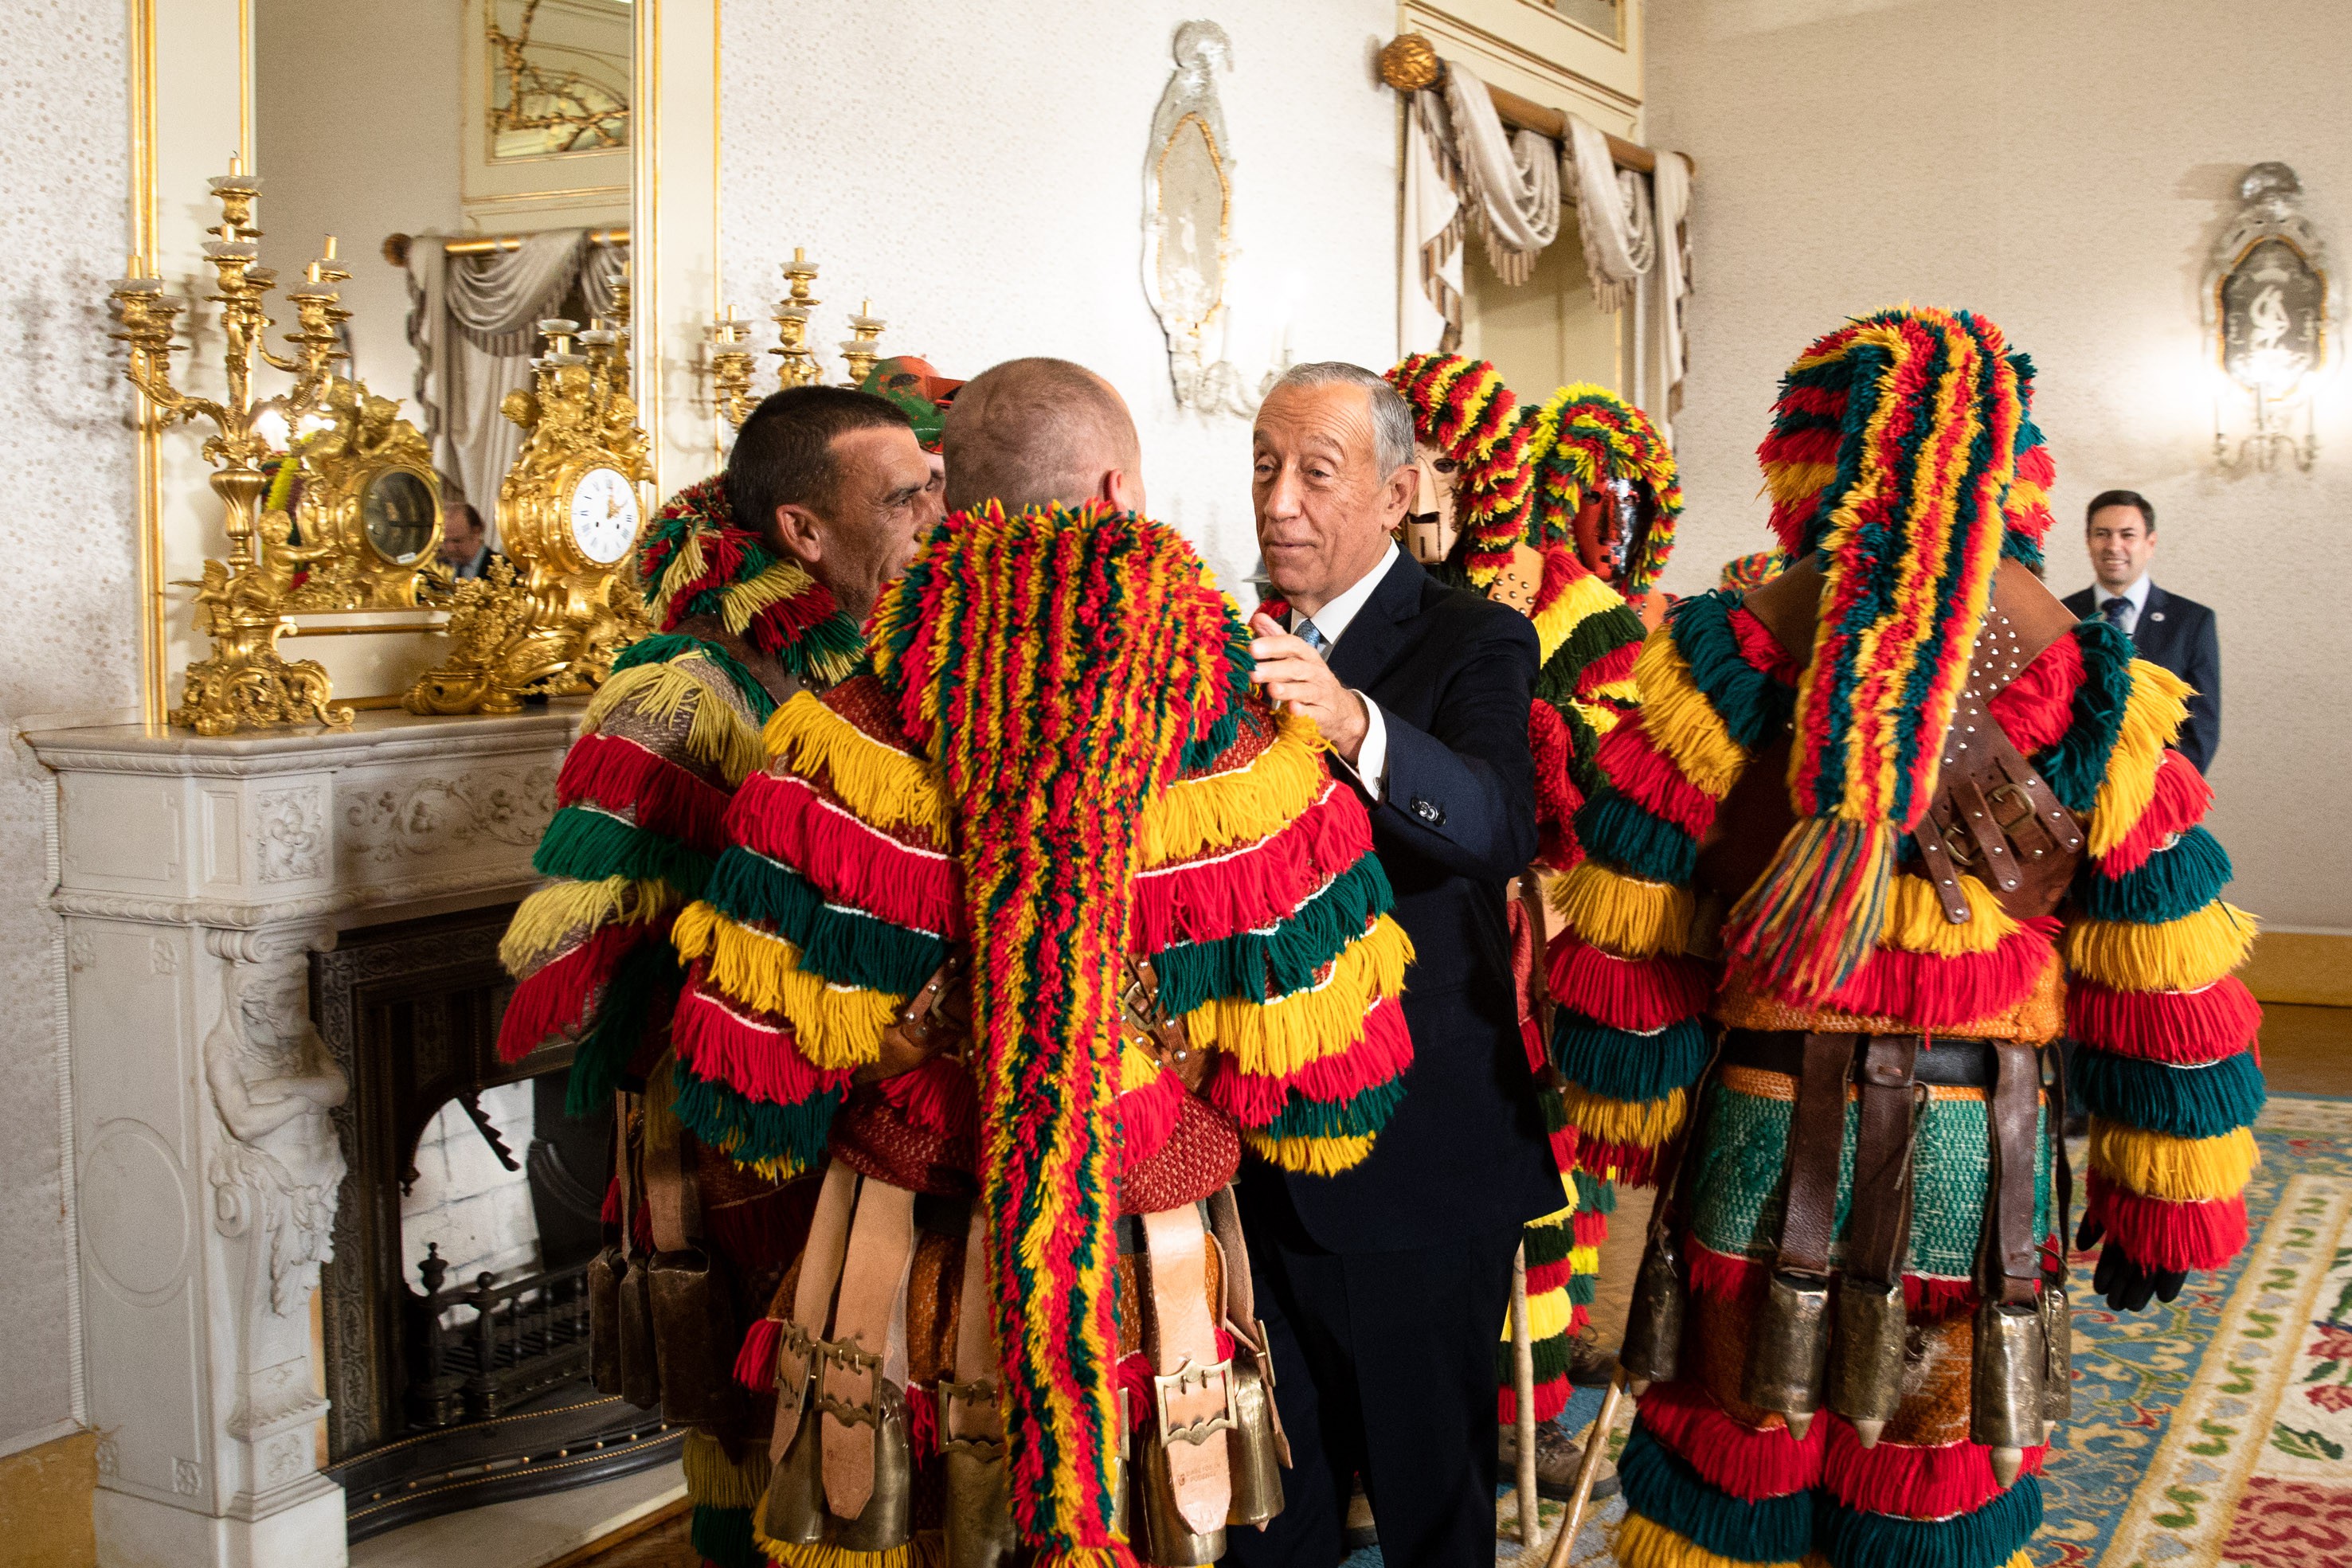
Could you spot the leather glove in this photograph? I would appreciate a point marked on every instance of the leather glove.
(2128, 1284)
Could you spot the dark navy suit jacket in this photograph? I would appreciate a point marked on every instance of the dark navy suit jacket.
(2180, 634)
(1466, 1150)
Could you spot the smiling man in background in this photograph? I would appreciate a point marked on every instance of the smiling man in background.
(2177, 633)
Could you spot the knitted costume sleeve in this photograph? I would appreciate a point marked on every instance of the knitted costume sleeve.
(833, 902)
(2167, 1070)
(641, 803)
(1587, 638)
(1265, 914)
(1712, 686)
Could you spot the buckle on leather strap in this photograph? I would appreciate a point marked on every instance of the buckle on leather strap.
(855, 1363)
(982, 1392)
(1185, 1380)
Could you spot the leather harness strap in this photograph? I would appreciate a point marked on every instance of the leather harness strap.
(867, 1345)
(672, 1201)
(2013, 1252)
(1816, 1137)
(626, 1168)
(1194, 1385)
(821, 1259)
(1882, 1160)
(971, 1415)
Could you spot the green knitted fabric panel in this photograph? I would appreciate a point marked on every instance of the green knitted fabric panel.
(1741, 1179)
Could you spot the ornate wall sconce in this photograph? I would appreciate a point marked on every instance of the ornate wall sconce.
(1188, 208)
(2267, 301)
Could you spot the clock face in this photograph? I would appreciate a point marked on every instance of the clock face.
(604, 515)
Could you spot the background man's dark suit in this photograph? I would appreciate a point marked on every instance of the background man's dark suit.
(2181, 635)
(1385, 1289)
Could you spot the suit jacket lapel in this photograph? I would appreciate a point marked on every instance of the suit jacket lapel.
(2148, 631)
(1380, 628)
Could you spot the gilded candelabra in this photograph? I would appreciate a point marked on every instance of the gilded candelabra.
(731, 368)
(799, 366)
(241, 602)
(863, 345)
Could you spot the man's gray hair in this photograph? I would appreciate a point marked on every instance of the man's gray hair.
(1391, 415)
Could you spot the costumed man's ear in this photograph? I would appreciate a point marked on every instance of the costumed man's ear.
(799, 532)
(1123, 491)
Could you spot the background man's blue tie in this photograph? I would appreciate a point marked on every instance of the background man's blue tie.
(2114, 609)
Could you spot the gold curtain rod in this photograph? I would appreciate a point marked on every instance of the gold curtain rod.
(396, 247)
(1411, 63)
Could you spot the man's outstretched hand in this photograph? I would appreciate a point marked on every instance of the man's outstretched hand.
(1296, 679)
(2127, 1285)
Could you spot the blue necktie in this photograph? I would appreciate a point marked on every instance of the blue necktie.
(1312, 635)
(2114, 609)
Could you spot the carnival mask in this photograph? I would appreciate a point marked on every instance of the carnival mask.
(1430, 526)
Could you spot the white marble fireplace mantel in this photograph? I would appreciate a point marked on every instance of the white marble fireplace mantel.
(196, 877)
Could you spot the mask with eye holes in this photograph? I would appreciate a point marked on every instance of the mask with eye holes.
(1430, 527)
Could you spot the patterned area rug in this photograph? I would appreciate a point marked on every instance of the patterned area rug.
(2212, 1433)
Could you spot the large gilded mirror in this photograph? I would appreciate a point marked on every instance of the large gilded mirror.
(483, 166)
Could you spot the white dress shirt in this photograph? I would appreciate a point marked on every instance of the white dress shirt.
(2136, 596)
(1371, 764)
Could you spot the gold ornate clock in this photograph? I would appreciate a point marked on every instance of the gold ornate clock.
(570, 510)
(368, 490)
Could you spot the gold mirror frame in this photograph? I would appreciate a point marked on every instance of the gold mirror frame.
(191, 93)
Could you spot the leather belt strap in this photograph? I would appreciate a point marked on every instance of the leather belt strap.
(1882, 1161)
(925, 1025)
(2014, 1253)
(1150, 1029)
(821, 1257)
(971, 1415)
(1194, 1385)
(672, 1201)
(1946, 1060)
(1816, 1143)
(1240, 1290)
(867, 1344)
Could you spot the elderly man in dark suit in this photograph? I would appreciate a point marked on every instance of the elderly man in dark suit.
(1383, 1286)
(2177, 633)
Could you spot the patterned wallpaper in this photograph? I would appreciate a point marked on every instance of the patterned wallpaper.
(67, 538)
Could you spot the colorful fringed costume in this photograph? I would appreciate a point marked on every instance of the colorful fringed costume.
(1020, 934)
(1795, 833)
(642, 801)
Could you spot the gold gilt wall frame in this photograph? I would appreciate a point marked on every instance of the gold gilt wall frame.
(192, 97)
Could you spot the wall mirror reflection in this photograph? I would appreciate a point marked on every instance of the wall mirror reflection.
(473, 158)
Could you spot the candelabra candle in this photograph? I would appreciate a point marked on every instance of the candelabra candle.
(731, 368)
(864, 346)
(798, 368)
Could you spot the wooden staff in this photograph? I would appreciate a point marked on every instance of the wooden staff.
(1523, 1385)
(1590, 1471)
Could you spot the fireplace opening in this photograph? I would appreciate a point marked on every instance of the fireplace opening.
(456, 1310)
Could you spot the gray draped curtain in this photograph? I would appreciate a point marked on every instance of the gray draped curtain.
(473, 320)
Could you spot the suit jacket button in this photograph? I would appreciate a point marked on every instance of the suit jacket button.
(1426, 811)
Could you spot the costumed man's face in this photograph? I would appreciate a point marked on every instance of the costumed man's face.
(1325, 511)
(2121, 544)
(1431, 528)
(882, 500)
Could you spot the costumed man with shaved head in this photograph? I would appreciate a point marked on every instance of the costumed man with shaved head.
(1385, 1283)
(755, 580)
(1021, 935)
(1894, 819)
